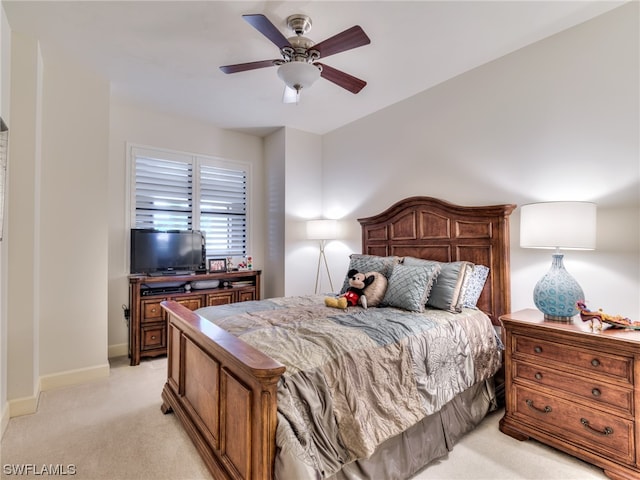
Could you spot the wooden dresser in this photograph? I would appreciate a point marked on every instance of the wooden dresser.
(574, 389)
(148, 321)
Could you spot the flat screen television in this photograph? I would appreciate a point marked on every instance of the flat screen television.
(167, 252)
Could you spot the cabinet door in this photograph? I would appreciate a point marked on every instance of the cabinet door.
(221, 298)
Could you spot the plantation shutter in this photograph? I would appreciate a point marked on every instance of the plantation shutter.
(164, 194)
(223, 210)
(174, 191)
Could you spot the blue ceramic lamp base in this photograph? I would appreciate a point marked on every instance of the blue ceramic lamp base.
(557, 292)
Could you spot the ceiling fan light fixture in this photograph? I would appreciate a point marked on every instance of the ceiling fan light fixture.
(298, 75)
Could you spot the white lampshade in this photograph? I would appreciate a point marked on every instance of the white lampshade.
(322, 229)
(565, 225)
(298, 75)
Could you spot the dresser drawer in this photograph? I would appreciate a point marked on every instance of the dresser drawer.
(192, 303)
(591, 362)
(153, 337)
(221, 298)
(603, 433)
(152, 311)
(591, 390)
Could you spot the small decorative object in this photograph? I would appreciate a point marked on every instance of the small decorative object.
(354, 294)
(238, 262)
(249, 262)
(619, 321)
(558, 225)
(217, 265)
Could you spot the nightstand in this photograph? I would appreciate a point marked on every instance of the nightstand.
(574, 389)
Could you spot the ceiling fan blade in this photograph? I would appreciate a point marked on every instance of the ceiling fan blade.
(342, 79)
(268, 29)
(243, 67)
(351, 38)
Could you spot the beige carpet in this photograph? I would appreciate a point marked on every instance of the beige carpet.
(113, 429)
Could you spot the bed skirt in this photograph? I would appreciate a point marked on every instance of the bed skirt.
(406, 454)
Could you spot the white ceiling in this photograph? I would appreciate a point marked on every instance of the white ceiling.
(166, 54)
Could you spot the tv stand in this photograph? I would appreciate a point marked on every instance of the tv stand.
(148, 321)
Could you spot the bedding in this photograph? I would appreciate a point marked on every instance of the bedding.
(357, 378)
(447, 288)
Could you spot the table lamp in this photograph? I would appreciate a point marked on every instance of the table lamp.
(323, 230)
(558, 225)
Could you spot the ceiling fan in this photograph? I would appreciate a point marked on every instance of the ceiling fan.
(298, 67)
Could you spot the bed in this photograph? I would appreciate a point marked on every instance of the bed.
(263, 395)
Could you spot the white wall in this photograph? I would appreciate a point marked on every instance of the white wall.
(73, 248)
(20, 236)
(557, 120)
(5, 113)
(57, 224)
(139, 125)
(274, 213)
(293, 183)
(303, 201)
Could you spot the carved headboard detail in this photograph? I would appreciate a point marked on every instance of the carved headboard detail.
(433, 229)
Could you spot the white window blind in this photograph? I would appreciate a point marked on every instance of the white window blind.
(164, 194)
(173, 192)
(223, 209)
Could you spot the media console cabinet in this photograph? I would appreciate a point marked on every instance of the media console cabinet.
(148, 321)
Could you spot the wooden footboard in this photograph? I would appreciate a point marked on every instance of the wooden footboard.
(224, 393)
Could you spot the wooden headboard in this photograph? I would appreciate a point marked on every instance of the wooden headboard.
(425, 227)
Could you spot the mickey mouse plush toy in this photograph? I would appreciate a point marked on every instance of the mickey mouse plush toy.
(354, 294)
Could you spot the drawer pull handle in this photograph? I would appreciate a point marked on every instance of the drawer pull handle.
(537, 349)
(604, 433)
(538, 376)
(546, 409)
(596, 392)
(595, 362)
(153, 337)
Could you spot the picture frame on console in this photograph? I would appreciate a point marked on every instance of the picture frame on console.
(217, 265)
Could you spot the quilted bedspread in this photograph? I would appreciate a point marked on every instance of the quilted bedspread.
(357, 377)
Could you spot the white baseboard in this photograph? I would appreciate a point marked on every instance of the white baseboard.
(73, 377)
(4, 419)
(119, 350)
(29, 405)
(23, 406)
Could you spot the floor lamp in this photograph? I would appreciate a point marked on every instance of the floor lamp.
(322, 230)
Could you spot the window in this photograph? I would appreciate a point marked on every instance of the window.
(174, 191)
